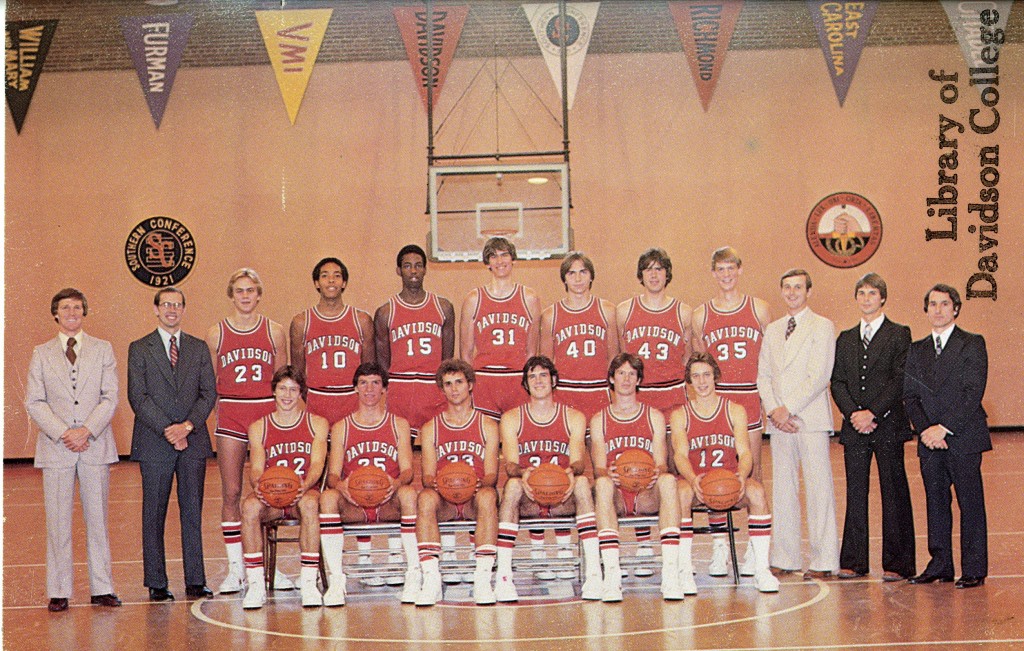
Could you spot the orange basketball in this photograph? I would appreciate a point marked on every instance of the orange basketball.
(456, 482)
(368, 486)
(548, 483)
(279, 486)
(721, 489)
(636, 469)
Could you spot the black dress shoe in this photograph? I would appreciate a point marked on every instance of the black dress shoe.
(927, 577)
(108, 600)
(160, 594)
(197, 591)
(970, 581)
(57, 605)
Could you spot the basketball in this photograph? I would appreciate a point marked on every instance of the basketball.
(279, 485)
(721, 489)
(636, 469)
(548, 483)
(368, 486)
(456, 482)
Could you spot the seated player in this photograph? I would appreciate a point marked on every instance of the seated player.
(711, 432)
(543, 431)
(370, 436)
(627, 423)
(295, 438)
(459, 433)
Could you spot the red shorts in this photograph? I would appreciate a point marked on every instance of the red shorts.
(417, 401)
(498, 390)
(234, 415)
(664, 399)
(333, 406)
(589, 400)
(751, 401)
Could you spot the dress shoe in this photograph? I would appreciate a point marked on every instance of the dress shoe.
(108, 600)
(58, 604)
(160, 594)
(970, 581)
(851, 574)
(821, 575)
(892, 577)
(928, 577)
(778, 571)
(197, 591)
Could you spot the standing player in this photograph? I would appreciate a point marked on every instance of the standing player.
(247, 348)
(710, 432)
(369, 436)
(627, 423)
(543, 431)
(459, 433)
(297, 439)
(730, 327)
(499, 331)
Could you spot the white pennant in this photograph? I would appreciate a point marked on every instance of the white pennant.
(580, 18)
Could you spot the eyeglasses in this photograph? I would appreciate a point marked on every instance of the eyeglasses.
(167, 305)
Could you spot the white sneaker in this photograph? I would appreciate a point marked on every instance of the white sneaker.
(483, 593)
(335, 595)
(611, 592)
(505, 589)
(413, 579)
(255, 596)
(395, 579)
(671, 590)
(593, 589)
(748, 567)
(686, 581)
(233, 582)
(311, 596)
(766, 581)
(282, 582)
(644, 551)
(431, 590)
(545, 575)
(719, 565)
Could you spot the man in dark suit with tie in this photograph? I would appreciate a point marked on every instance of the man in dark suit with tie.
(171, 388)
(867, 386)
(946, 373)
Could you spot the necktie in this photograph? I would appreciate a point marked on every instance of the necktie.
(70, 352)
(938, 346)
(790, 327)
(174, 352)
(867, 335)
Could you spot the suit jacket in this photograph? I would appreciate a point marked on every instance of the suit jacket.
(795, 372)
(947, 390)
(872, 378)
(56, 405)
(162, 396)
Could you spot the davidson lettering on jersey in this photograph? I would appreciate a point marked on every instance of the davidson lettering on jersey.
(732, 332)
(502, 318)
(415, 328)
(713, 440)
(290, 447)
(585, 329)
(460, 446)
(376, 448)
(533, 447)
(339, 341)
(623, 442)
(654, 332)
(239, 354)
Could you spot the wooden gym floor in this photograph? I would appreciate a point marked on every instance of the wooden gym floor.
(859, 614)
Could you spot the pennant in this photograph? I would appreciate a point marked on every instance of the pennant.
(447, 27)
(293, 39)
(842, 31)
(974, 35)
(28, 41)
(547, 28)
(705, 29)
(156, 44)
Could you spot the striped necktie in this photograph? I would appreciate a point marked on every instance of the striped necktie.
(174, 351)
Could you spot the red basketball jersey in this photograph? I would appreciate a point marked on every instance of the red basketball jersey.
(500, 328)
(734, 338)
(657, 338)
(622, 434)
(543, 442)
(460, 443)
(415, 335)
(580, 345)
(290, 446)
(712, 442)
(245, 361)
(333, 348)
(375, 445)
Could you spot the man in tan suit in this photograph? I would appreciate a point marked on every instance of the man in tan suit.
(71, 396)
(794, 368)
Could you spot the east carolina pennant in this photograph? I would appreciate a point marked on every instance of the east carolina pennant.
(705, 29)
(842, 31)
(974, 36)
(27, 43)
(447, 27)
(156, 44)
(293, 39)
(547, 28)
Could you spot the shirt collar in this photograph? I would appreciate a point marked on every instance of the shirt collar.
(944, 336)
(875, 325)
(80, 337)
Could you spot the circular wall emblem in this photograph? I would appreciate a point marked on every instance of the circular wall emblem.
(844, 230)
(160, 251)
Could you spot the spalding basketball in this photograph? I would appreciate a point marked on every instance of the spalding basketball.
(456, 482)
(636, 469)
(279, 485)
(721, 489)
(548, 483)
(368, 486)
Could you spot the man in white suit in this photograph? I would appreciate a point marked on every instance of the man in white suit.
(71, 396)
(793, 375)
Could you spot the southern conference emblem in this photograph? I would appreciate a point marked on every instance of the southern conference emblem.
(160, 251)
(844, 230)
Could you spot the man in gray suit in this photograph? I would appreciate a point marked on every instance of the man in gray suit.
(171, 388)
(71, 396)
(792, 377)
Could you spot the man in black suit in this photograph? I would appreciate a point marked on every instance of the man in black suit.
(867, 386)
(945, 381)
(172, 389)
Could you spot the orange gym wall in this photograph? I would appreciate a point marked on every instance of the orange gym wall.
(650, 168)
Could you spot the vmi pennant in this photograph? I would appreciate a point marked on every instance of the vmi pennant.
(293, 41)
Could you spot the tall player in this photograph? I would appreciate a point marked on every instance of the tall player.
(369, 436)
(247, 348)
(500, 331)
(628, 423)
(544, 431)
(459, 433)
(297, 439)
(710, 432)
(730, 327)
